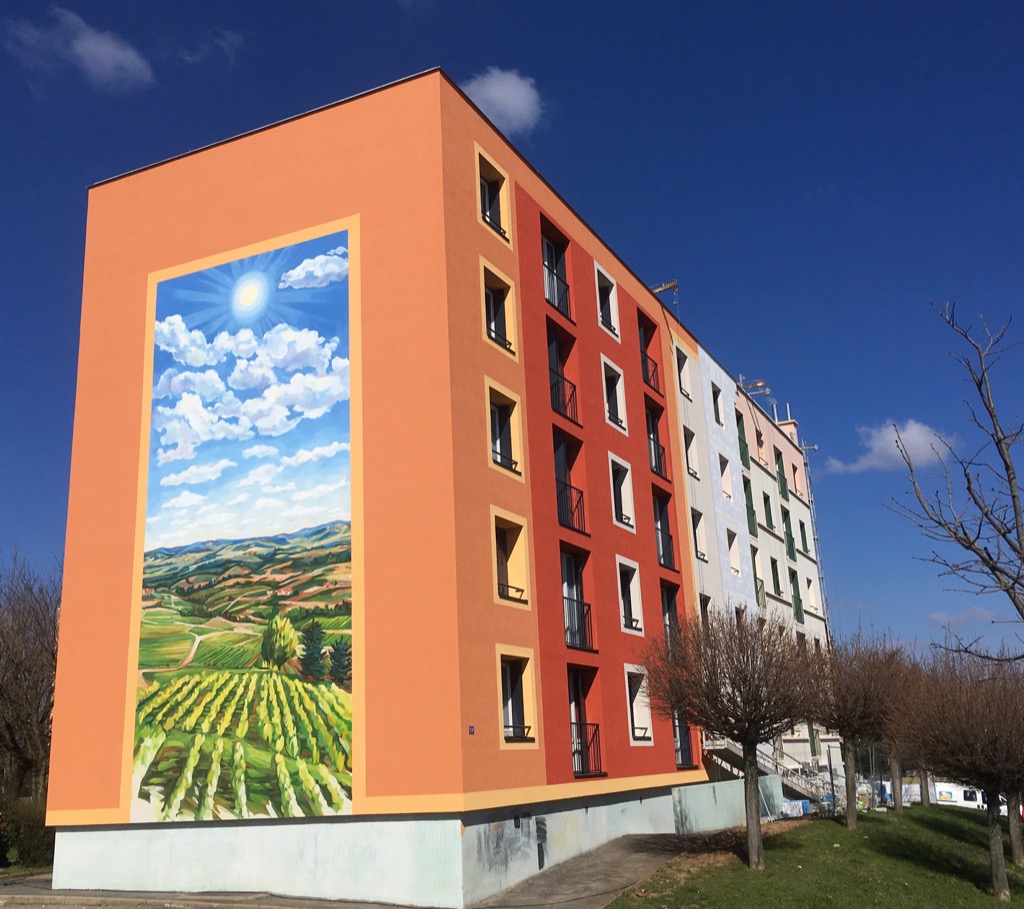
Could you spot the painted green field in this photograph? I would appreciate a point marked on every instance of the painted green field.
(228, 651)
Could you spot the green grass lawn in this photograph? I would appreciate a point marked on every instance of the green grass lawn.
(927, 857)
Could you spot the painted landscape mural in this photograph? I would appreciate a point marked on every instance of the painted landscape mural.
(245, 668)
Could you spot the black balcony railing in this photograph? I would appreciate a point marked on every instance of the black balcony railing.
(630, 621)
(563, 396)
(666, 557)
(556, 292)
(497, 335)
(517, 733)
(658, 461)
(505, 460)
(606, 321)
(493, 221)
(751, 519)
(578, 631)
(510, 592)
(586, 749)
(744, 452)
(650, 372)
(790, 546)
(570, 506)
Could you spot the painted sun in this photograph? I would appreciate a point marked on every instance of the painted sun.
(249, 296)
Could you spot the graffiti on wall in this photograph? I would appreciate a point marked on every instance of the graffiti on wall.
(244, 675)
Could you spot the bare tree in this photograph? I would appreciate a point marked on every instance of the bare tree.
(968, 719)
(977, 505)
(743, 680)
(29, 608)
(857, 678)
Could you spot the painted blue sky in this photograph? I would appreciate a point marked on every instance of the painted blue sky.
(250, 417)
(811, 171)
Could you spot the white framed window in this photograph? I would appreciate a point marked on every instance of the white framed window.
(700, 542)
(630, 607)
(621, 477)
(638, 705)
(614, 395)
(607, 303)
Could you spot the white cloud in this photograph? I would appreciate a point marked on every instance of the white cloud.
(188, 423)
(318, 271)
(199, 473)
(317, 492)
(108, 61)
(277, 490)
(510, 100)
(923, 443)
(304, 455)
(218, 39)
(190, 347)
(237, 500)
(251, 374)
(290, 349)
(260, 476)
(260, 451)
(267, 502)
(185, 500)
(207, 384)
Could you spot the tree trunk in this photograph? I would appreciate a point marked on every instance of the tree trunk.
(1013, 802)
(752, 800)
(850, 769)
(926, 796)
(896, 775)
(1000, 886)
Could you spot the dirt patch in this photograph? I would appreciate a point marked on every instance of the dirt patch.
(705, 850)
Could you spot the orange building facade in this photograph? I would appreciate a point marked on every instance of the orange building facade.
(504, 490)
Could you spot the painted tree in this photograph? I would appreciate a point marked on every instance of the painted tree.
(855, 683)
(973, 508)
(280, 642)
(312, 660)
(741, 679)
(340, 669)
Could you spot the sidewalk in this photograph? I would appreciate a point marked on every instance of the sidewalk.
(589, 881)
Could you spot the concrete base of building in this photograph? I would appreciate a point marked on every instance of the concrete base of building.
(441, 861)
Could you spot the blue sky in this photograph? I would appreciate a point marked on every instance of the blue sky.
(250, 417)
(811, 172)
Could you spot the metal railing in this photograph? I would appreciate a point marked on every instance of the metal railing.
(606, 321)
(493, 223)
(556, 292)
(744, 452)
(650, 372)
(563, 396)
(510, 592)
(586, 749)
(570, 506)
(578, 632)
(498, 337)
(656, 451)
(514, 732)
(796, 773)
(666, 556)
(622, 517)
(504, 459)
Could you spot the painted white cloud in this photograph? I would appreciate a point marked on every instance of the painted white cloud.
(237, 500)
(267, 502)
(318, 271)
(207, 385)
(191, 348)
(260, 476)
(259, 451)
(188, 424)
(290, 349)
(108, 61)
(305, 455)
(318, 492)
(249, 374)
(510, 100)
(185, 500)
(199, 473)
(923, 443)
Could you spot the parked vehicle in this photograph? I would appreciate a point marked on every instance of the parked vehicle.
(947, 793)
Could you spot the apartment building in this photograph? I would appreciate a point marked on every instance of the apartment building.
(395, 490)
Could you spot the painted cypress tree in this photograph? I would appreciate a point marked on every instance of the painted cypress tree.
(312, 660)
(341, 663)
(280, 642)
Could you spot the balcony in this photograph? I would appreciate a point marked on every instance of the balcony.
(563, 397)
(650, 372)
(744, 452)
(751, 519)
(556, 292)
(586, 749)
(578, 632)
(762, 599)
(666, 557)
(790, 546)
(659, 463)
(570, 506)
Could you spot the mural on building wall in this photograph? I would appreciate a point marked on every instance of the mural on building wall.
(244, 681)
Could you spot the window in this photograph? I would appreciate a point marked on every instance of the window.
(505, 433)
(796, 485)
(571, 512)
(734, 552)
(648, 364)
(755, 563)
(639, 705)
(629, 594)
(726, 476)
(748, 499)
(700, 543)
(586, 737)
(690, 453)
(656, 451)
(663, 532)
(669, 612)
(614, 395)
(803, 537)
(759, 441)
(970, 795)
(607, 304)
(510, 559)
(798, 605)
(513, 702)
(563, 392)
(776, 583)
(741, 435)
(705, 607)
(578, 629)
(716, 403)
(787, 526)
(780, 473)
(683, 373)
(768, 522)
(810, 594)
(622, 493)
(556, 287)
(499, 321)
(494, 198)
